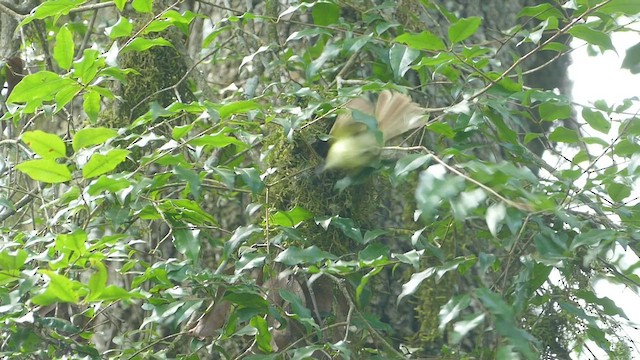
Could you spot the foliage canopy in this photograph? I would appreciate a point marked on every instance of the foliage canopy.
(161, 200)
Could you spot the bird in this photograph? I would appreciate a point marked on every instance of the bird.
(362, 128)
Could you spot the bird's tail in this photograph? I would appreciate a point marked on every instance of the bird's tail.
(397, 114)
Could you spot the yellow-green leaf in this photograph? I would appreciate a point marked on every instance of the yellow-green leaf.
(92, 136)
(48, 146)
(59, 289)
(91, 105)
(63, 51)
(464, 28)
(45, 170)
(100, 164)
(422, 41)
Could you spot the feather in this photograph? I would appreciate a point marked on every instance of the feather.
(397, 114)
(355, 145)
(344, 123)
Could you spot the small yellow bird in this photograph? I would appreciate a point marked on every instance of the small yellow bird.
(355, 143)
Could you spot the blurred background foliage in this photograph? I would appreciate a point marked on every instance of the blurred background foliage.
(162, 196)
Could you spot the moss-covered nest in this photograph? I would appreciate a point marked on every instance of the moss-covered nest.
(298, 181)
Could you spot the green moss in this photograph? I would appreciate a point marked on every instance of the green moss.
(299, 183)
(158, 70)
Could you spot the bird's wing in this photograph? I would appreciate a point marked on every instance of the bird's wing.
(345, 125)
(397, 114)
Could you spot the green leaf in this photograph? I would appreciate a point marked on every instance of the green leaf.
(218, 140)
(551, 247)
(240, 235)
(59, 289)
(411, 257)
(363, 283)
(401, 58)
(346, 225)
(53, 9)
(191, 177)
(97, 282)
(86, 68)
(186, 241)
(66, 94)
(120, 4)
(412, 285)
(142, 6)
(169, 19)
(505, 132)
(541, 12)
(556, 47)
(374, 251)
(609, 306)
(617, 191)
(263, 336)
(180, 131)
(463, 327)
(296, 256)
(64, 48)
(496, 305)
(297, 305)
(592, 237)
(108, 183)
(597, 120)
(592, 36)
(452, 309)
(550, 111)
(506, 353)
(141, 44)
(122, 28)
(116, 293)
(564, 135)
(12, 260)
(435, 186)
(73, 242)
(291, 218)
(238, 107)
(442, 128)
(186, 210)
(626, 7)
(100, 164)
(464, 28)
(249, 58)
(632, 59)
(422, 41)
(247, 299)
(325, 13)
(48, 146)
(92, 136)
(36, 88)
(251, 178)
(45, 170)
(158, 25)
(306, 352)
(371, 235)
(91, 105)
